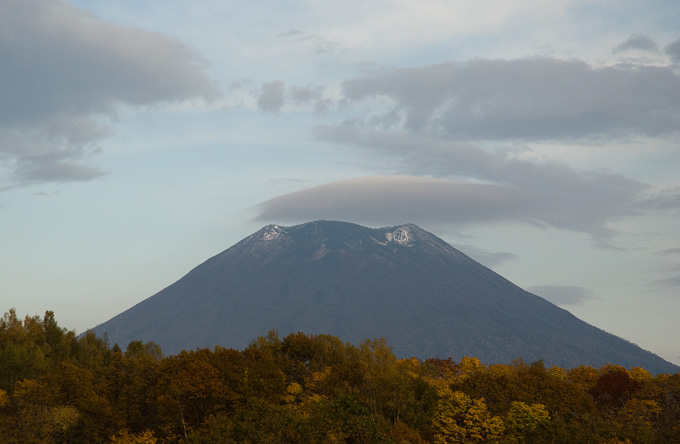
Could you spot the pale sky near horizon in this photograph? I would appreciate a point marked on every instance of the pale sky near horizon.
(542, 138)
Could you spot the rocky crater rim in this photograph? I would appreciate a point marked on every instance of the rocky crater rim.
(401, 234)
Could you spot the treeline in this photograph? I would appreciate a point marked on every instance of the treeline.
(58, 388)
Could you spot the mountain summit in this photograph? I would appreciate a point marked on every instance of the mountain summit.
(401, 283)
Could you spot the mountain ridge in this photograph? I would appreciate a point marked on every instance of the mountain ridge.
(402, 283)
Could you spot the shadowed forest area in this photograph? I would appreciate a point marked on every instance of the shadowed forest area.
(56, 387)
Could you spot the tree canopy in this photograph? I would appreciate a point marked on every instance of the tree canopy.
(56, 387)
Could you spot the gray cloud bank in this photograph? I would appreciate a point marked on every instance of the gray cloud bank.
(528, 99)
(65, 74)
(524, 99)
(455, 123)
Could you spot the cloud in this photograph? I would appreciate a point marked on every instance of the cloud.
(321, 45)
(65, 75)
(388, 200)
(563, 295)
(487, 258)
(272, 96)
(302, 95)
(314, 95)
(442, 133)
(671, 282)
(664, 200)
(291, 32)
(562, 197)
(385, 200)
(637, 42)
(523, 99)
(673, 50)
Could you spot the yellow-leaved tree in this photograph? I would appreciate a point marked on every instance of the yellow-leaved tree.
(524, 420)
(462, 419)
(125, 437)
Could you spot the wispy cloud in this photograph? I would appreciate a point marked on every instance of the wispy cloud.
(487, 258)
(671, 282)
(320, 44)
(272, 96)
(674, 279)
(563, 295)
(637, 42)
(65, 75)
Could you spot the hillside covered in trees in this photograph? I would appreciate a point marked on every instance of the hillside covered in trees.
(58, 388)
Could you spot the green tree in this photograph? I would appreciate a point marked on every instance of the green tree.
(525, 421)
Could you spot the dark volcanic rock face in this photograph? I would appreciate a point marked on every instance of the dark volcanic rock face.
(401, 283)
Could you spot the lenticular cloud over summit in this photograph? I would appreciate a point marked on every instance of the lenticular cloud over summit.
(380, 199)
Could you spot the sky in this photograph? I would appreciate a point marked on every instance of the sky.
(541, 138)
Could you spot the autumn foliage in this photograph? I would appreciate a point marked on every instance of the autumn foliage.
(59, 388)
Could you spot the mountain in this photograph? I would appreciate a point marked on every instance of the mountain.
(401, 283)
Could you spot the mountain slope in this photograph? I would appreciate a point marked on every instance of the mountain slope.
(401, 283)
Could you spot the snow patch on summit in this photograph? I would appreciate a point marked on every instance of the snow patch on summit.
(272, 232)
(401, 235)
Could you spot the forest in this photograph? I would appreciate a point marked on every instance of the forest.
(56, 387)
